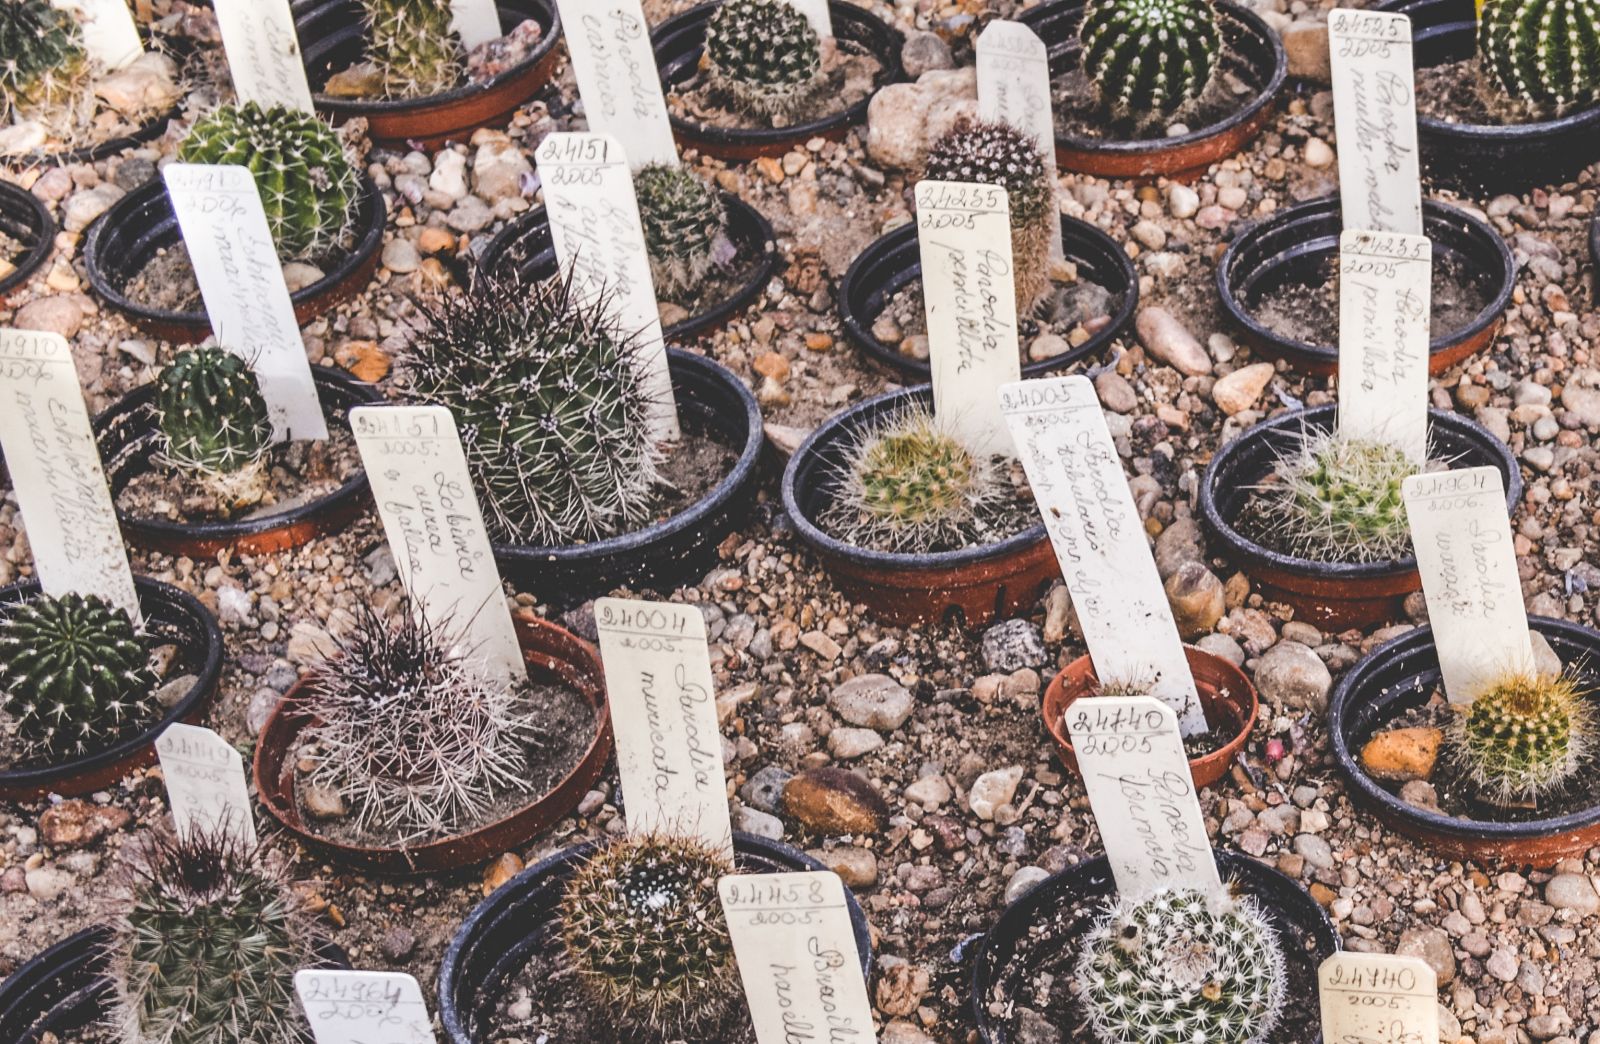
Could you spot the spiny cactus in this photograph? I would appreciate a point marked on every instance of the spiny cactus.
(999, 154)
(1149, 61)
(683, 221)
(642, 926)
(765, 56)
(1544, 54)
(1524, 736)
(553, 410)
(215, 422)
(1339, 500)
(74, 674)
(308, 185)
(413, 47)
(43, 64)
(1179, 968)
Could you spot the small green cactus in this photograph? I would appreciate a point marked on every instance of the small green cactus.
(1339, 500)
(43, 65)
(642, 926)
(413, 47)
(1150, 61)
(215, 422)
(1524, 736)
(74, 675)
(1179, 968)
(308, 185)
(683, 221)
(764, 55)
(1544, 54)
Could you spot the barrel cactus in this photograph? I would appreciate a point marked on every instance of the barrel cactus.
(413, 47)
(1544, 54)
(685, 222)
(43, 65)
(1339, 500)
(215, 423)
(1524, 736)
(764, 56)
(1150, 61)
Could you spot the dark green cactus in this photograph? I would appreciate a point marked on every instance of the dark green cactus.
(215, 422)
(1150, 60)
(42, 60)
(1339, 500)
(1524, 736)
(413, 47)
(1544, 54)
(764, 55)
(684, 219)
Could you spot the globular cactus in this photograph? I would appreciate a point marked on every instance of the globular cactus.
(553, 410)
(43, 65)
(307, 183)
(1177, 968)
(1339, 500)
(215, 423)
(1544, 54)
(643, 928)
(684, 219)
(1524, 736)
(413, 47)
(1150, 61)
(764, 55)
(74, 675)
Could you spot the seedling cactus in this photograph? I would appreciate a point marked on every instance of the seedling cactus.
(1339, 500)
(764, 55)
(413, 47)
(43, 65)
(684, 219)
(1150, 61)
(1524, 736)
(215, 422)
(1543, 54)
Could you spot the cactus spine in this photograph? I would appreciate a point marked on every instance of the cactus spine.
(1339, 500)
(765, 56)
(1524, 736)
(1149, 61)
(43, 65)
(215, 422)
(1544, 54)
(412, 45)
(683, 221)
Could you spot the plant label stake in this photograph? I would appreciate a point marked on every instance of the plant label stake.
(475, 21)
(110, 35)
(1076, 476)
(1375, 116)
(1462, 536)
(56, 472)
(615, 67)
(599, 239)
(817, 13)
(1014, 88)
(263, 52)
(797, 957)
(205, 782)
(225, 229)
(434, 525)
(664, 713)
(1380, 998)
(1385, 308)
(964, 234)
(364, 1007)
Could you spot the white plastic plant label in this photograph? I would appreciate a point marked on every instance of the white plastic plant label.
(664, 713)
(55, 470)
(225, 230)
(1385, 313)
(1375, 116)
(1378, 998)
(797, 957)
(817, 13)
(1014, 88)
(364, 1007)
(615, 67)
(263, 53)
(1083, 496)
(434, 525)
(1142, 793)
(475, 21)
(205, 782)
(110, 35)
(964, 234)
(1462, 536)
(595, 225)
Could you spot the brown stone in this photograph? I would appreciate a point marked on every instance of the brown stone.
(831, 800)
(500, 871)
(364, 359)
(1402, 755)
(78, 824)
(1322, 894)
(901, 987)
(1197, 598)
(771, 364)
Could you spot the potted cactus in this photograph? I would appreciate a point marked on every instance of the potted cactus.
(27, 237)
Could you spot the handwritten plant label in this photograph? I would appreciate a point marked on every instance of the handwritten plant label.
(205, 782)
(1375, 116)
(55, 470)
(797, 957)
(817, 13)
(615, 67)
(1461, 533)
(363, 1007)
(594, 222)
(1077, 478)
(434, 525)
(1014, 88)
(1377, 998)
(110, 35)
(1385, 312)
(475, 21)
(964, 232)
(225, 230)
(663, 709)
(1137, 776)
(263, 52)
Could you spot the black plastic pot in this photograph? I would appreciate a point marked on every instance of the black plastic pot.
(680, 41)
(1594, 241)
(170, 616)
(124, 239)
(524, 252)
(25, 219)
(1299, 245)
(894, 260)
(515, 926)
(711, 401)
(1403, 674)
(1336, 595)
(148, 132)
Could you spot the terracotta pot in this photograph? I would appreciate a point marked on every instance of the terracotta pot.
(26, 220)
(1226, 695)
(555, 656)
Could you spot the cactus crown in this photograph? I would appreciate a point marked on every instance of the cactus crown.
(1542, 53)
(215, 422)
(683, 221)
(553, 410)
(42, 60)
(1150, 60)
(74, 674)
(642, 926)
(308, 185)
(1339, 500)
(766, 57)
(1524, 736)
(1178, 968)
(413, 47)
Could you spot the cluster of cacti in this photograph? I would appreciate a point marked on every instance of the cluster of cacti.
(215, 424)
(642, 926)
(1544, 54)
(1150, 61)
(43, 65)
(411, 44)
(684, 220)
(1178, 967)
(766, 57)
(307, 183)
(553, 409)
(1339, 500)
(74, 674)
(1523, 736)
